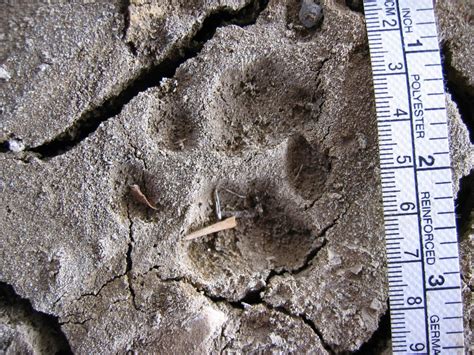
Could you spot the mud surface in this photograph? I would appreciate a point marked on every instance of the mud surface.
(189, 99)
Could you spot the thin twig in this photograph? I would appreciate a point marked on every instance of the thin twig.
(217, 204)
(213, 228)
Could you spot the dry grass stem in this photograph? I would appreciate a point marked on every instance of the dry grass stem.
(299, 171)
(217, 204)
(235, 193)
(213, 228)
(140, 197)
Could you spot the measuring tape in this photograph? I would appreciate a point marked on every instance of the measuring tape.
(420, 226)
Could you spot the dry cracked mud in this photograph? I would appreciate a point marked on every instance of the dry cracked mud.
(184, 98)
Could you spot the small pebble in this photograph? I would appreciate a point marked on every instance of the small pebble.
(16, 145)
(311, 14)
(4, 75)
(43, 67)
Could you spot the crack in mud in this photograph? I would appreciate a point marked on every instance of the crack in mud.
(95, 294)
(309, 258)
(461, 92)
(379, 339)
(149, 77)
(129, 259)
(81, 322)
(305, 320)
(47, 325)
(239, 305)
(463, 95)
(464, 204)
(124, 9)
(127, 272)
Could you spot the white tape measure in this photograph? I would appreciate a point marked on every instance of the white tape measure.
(420, 226)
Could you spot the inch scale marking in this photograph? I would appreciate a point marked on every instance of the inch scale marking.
(420, 226)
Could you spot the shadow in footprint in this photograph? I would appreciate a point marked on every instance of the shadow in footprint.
(307, 167)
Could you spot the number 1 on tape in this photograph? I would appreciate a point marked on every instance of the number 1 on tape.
(420, 226)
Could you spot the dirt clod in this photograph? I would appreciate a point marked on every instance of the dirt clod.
(311, 13)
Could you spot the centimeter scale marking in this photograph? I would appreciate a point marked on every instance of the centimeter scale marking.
(420, 226)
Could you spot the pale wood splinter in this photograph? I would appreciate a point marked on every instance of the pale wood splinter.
(228, 223)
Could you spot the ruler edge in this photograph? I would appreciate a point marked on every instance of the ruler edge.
(446, 117)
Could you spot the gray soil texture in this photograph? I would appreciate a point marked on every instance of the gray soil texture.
(266, 102)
